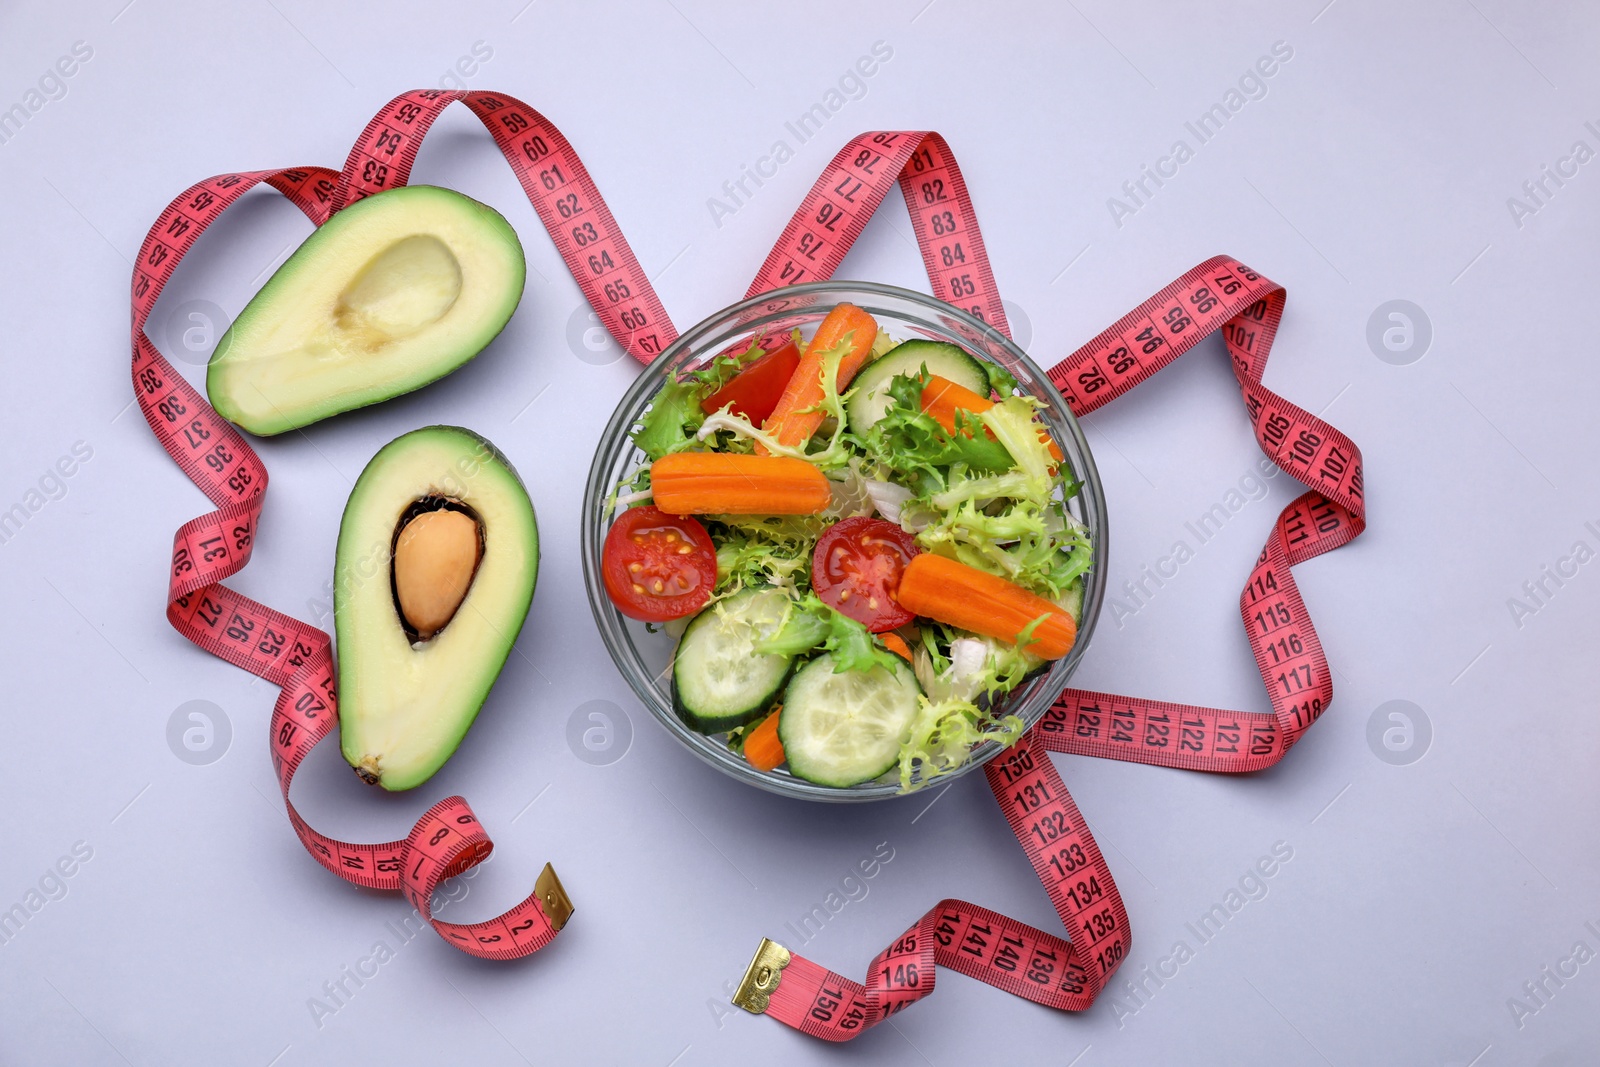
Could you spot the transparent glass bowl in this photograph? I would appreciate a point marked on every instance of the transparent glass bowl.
(645, 659)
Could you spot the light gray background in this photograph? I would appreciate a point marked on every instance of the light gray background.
(1420, 897)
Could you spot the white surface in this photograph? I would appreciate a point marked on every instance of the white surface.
(1377, 166)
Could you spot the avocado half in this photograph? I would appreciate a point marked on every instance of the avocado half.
(391, 293)
(407, 697)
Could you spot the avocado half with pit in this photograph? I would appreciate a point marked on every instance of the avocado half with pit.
(438, 552)
(391, 293)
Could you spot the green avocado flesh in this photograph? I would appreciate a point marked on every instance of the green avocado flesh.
(406, 703)
(393, 292)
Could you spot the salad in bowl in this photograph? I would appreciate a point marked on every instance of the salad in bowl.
(852, 541)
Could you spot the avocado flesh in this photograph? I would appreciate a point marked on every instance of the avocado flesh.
(391, 293)
(404, 704)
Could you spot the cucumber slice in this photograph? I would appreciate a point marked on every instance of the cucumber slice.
(871, 399)
(1072, 601)
(846, 728)
(719, 681)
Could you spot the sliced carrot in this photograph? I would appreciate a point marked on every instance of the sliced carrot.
(790, 422)
(942, 398)
(762, 746)
(896, 644)
(946, 591)
(726, 483)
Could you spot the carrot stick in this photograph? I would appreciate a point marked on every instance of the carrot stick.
(942, 398)
(896, 644)
(790, 423)
(727, 483)
(942, 589)
(762, 747)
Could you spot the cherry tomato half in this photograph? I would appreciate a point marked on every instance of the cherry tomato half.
(658, 566)
(857, 567)
(754, 391)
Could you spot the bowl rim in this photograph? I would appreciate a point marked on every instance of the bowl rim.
(1043, 686)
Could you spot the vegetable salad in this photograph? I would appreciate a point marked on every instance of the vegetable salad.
(862, 546)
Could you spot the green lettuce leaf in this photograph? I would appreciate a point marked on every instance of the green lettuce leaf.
(916, 449)
(942, 736)
(853, 646)
(802, 631)
(675, 417)
(1025, 477)
(970, 666)
(1001, 381)
(723, 368)
(812, 624)
(764, 550)
(1032, 545)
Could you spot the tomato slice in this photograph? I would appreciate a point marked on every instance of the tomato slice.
(658, 566)
(754, 391)
(857, 567)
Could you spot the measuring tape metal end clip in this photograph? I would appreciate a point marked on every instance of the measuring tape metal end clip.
(553, 897)
(761, 978)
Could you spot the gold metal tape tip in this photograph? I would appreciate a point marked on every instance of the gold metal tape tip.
(761, 978)
(557, 905)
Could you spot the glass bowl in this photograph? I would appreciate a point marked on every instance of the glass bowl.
(645, 658)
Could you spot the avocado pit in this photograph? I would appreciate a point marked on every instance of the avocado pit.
(438, 544)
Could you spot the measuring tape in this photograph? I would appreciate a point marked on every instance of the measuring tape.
(1060, 972)
(448, 839)
(1220, 295)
